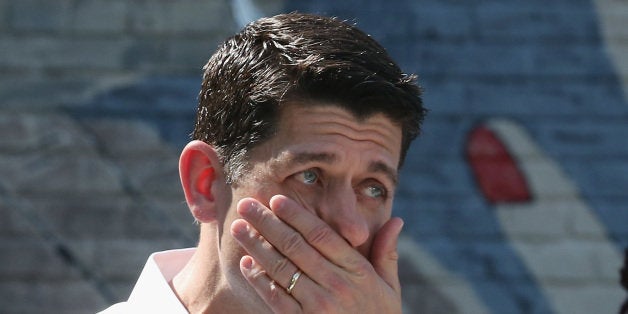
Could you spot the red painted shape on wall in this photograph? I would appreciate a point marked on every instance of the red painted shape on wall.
(496, 171)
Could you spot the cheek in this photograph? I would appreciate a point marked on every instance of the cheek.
(258, 187)
(376, 219)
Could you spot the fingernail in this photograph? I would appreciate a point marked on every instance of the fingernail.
(247, 207)
(238, 227)
(400, 226)
(277, 202)
(246, 262)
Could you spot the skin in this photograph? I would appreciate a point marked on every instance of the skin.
(318, 198)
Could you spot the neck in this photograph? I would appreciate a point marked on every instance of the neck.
(211, 281)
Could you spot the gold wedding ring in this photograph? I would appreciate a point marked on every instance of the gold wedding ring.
(293, 281)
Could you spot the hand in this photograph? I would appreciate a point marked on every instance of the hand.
(335, 277)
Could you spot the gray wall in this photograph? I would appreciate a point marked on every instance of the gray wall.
(97, 99)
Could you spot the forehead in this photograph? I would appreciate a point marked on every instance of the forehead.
(327, 126)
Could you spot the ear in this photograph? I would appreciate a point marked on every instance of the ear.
(202, 179)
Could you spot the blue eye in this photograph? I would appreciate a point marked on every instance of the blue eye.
(309, 176)
(375, 191)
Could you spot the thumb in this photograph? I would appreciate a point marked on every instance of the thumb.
(384, 256)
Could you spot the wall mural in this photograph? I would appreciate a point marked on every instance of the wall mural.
(514, 197)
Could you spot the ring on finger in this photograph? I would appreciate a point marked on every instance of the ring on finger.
(293, 282)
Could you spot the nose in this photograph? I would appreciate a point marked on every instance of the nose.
(341, 211)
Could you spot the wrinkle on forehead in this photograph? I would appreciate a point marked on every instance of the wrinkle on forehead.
(329, 119)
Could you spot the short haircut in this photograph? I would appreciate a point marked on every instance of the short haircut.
(298, 58)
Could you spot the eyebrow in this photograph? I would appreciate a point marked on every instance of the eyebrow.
(391, 173)
(329, 158)
(305, 157)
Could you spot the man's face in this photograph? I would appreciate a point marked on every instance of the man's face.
(334, 165)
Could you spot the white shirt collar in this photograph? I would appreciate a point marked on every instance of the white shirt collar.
(152, 290)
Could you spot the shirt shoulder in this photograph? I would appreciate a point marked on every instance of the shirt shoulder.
(152, 292)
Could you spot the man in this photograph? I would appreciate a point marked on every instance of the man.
(302, 125)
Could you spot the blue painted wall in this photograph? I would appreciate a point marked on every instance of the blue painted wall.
(543, 66)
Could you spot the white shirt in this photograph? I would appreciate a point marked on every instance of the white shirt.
(152, 292)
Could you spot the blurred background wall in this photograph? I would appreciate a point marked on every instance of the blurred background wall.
(515, 197)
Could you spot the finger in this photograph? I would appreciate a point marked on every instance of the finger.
(276, 266)
(274, 295)
(318, 234)
(266, 258)
(384, 256)
(289, 243)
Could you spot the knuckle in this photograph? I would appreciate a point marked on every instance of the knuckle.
(339, 285)
(279, 267)
(292, 243)
(273, 295)
(257, 275)
(362, 268)
(263, 218)
(319, 235)
(393, 255)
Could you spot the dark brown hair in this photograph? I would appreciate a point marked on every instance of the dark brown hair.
(300, 58)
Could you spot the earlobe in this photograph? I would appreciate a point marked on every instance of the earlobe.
(198, 168)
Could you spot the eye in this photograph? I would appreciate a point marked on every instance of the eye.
(308, 177)
(375, 191)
